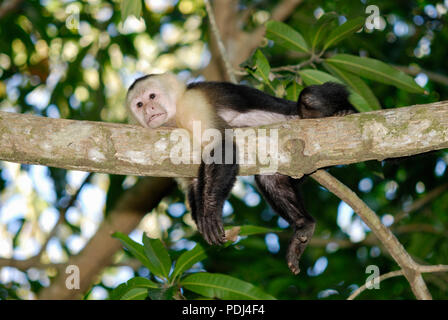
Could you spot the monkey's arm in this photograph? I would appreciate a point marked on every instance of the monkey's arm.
(207, 193)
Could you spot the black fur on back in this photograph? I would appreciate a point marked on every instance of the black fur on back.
(243, 98)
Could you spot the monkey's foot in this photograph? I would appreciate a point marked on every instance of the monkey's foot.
(212, 229)
(297, 246)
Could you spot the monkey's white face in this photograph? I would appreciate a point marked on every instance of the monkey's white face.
(148, 109)
(151, 103)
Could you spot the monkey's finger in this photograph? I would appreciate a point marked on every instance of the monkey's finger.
(201, 223)
(206, 237)
(296, 248)
(221, 232)
(293, 257)
(214, 234)
(210, 230)
(218, 231)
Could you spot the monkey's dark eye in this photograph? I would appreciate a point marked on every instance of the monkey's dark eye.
(140, 104)
(152, 96)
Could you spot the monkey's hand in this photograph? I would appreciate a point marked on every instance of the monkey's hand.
(343, 113)
(297, 246)
(211, 227)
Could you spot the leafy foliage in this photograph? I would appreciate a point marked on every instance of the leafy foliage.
(344, 68)
(286, 36)
(130, 8)
(223, 287)
(84, 72)
(375, 70)
(206, 284)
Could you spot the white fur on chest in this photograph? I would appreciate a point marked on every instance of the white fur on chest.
(252, 118)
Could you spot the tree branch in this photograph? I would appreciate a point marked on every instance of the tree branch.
(303, 145)
(410, 268)
(240, 44)
(8, 6)
(284, 9)
(222, 49)
(423, 269)
(383, 277)
(419, 203)
(433, 76)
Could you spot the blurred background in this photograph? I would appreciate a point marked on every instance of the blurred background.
(76, 59)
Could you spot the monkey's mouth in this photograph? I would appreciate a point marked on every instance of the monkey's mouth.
(154, 116)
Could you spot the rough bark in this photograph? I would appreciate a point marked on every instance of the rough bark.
(240, 44)
(391, 243)
(303, 145)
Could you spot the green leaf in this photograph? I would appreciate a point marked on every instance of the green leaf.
(162, 293)
(293, 91)
(343, 31)
(158, 256)
(136, 249)
(375, 70)
(359, 102)
(262, 66)
(357, 84)
(140, 282)
(221, 286)
(285, 36)
(188, 259)
(130, 8)
(310, 77)
(261, 69)
(248, 230)
(118, 292)
(87, 294)
(135, 294)
(322, 28)
(137, 282)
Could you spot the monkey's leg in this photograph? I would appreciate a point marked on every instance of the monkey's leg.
(282, 194)
(215, 181)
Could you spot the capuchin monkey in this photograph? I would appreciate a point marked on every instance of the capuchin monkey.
(162, 100)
